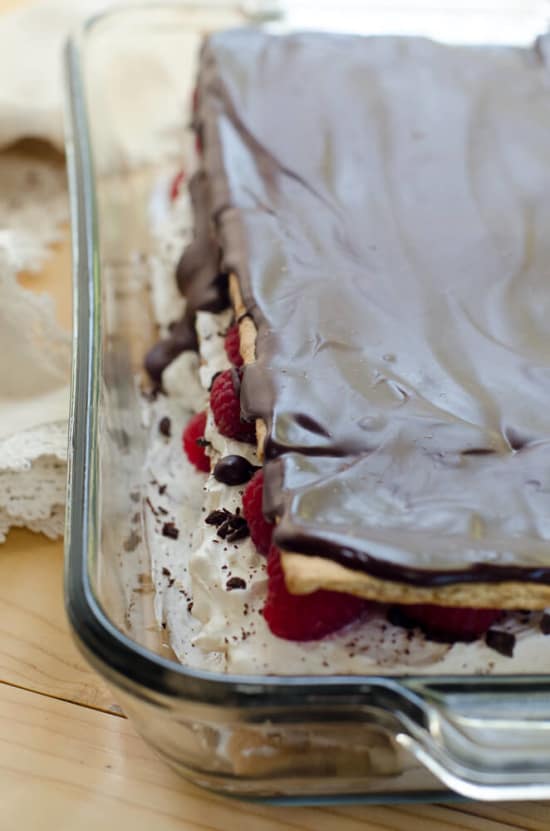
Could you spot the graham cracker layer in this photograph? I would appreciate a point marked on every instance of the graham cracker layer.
(305, 574)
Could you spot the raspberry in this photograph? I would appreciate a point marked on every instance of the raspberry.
(175, 187)
(226, 408)
(232, 345)
(305, 617)
(260, 529)
(451, 622)
(190, 440)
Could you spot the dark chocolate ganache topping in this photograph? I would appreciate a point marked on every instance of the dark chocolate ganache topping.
(385, 203)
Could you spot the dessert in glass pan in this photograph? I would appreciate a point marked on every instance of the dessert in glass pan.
(349, 466)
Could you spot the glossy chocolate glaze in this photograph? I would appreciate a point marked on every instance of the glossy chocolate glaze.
(385, 203)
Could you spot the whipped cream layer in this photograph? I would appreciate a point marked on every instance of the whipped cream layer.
(384, 203)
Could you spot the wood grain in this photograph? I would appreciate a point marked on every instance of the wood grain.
(36, 649)
(68, 767)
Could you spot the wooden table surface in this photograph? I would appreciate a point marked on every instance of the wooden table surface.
(69, 759)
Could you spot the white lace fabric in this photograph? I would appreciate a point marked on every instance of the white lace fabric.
(34, 350)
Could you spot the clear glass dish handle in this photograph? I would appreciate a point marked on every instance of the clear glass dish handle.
(481, 744)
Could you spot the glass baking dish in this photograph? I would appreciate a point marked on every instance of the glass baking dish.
(275, 738)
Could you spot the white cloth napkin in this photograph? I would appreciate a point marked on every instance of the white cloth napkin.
(34, 350)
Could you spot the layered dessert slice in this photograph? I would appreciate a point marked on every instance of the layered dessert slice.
(372, 211)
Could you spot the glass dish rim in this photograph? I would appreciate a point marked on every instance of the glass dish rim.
(102, 641)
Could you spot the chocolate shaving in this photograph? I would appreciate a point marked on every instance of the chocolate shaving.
(167, 573)
(165, 427)
(170, 530)
(501, 642)
(238, 534)
(217, 517)
(229, 526)
(235, 583)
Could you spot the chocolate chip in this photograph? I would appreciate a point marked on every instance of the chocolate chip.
(501, 642)
(166, 571)
(545, 624)
(162, 489)
(170, 530)
(165, 427)
(235, 583)
(234, 470)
